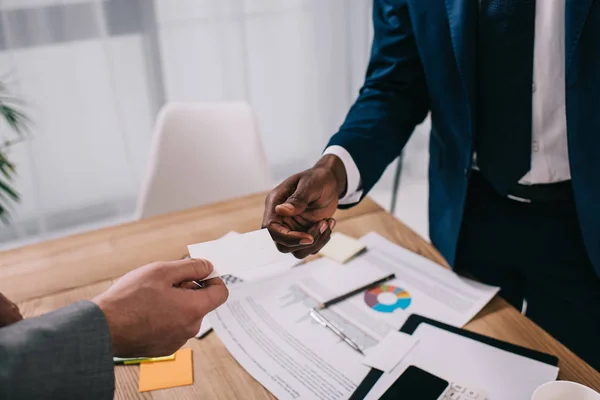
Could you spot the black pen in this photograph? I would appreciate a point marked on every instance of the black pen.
(355, 291)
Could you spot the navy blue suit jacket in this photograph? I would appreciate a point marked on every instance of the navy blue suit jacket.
(423, 59)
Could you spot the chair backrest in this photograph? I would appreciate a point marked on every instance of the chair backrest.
(202, 153)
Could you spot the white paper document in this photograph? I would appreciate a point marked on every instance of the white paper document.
(267, 328)
(420, 287)
(230, 281)
(390, 351)
(501, 374)
(249, 275)
(235, 254)
(266, 325)
(463, 297)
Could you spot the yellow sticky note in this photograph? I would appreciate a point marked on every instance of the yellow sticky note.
(342, 248)
(167, 374)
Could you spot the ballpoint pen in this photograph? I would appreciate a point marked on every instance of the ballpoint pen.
(324, 322)
(354, 292)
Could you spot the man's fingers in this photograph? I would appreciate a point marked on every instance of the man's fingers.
(304, 194)
(190, 269)
(286, 245)
(323, 237)
(281, 234)
(213, 282)
(188, 285)
(286, 249)
(315, 231)
(318, 229)
(280, 194)
(302, 254)
(332, 222)
(212, 296)
(296, 223)
(324, 240)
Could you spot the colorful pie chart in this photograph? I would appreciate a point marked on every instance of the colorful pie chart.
(374, 297)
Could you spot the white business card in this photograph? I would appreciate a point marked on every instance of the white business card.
(238, 253)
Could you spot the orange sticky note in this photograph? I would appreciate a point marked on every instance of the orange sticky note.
(167, 374)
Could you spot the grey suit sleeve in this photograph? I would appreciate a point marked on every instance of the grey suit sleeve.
(64, 354)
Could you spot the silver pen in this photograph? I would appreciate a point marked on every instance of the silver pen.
(317, 316)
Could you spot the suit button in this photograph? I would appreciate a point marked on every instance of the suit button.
(466, 172)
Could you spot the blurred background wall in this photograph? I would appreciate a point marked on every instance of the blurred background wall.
(94, 73)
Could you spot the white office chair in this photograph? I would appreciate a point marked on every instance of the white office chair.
(202, 153)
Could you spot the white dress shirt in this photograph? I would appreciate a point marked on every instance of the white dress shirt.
(549, 149)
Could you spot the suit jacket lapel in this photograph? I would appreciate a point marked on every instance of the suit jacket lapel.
(462, 19)
(576, 12)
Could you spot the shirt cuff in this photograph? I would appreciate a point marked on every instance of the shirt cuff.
(353, 183)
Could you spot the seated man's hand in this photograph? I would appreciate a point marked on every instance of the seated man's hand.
(9, 312)
(149, 312)
(298, 212)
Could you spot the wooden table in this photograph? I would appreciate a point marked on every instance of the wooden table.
(50, 275)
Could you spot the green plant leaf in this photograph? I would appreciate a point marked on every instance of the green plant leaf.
(10, 111)
(14, 118)
(4, 215)
(10, 166)
(6, 166)
(9, 191)
(5, 170)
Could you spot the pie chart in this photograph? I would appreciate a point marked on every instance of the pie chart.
(387, 298)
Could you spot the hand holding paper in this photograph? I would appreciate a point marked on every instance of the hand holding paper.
(151, 297)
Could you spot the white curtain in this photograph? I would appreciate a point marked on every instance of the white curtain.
(94, 73)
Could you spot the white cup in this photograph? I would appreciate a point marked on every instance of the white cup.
(564, 390)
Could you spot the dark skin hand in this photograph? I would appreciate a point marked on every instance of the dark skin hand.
(9, 312)
(298, 212)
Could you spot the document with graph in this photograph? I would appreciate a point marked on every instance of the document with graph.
(266, 325)
(267, 328)
(420, 287)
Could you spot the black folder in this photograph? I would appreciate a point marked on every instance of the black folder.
(415, 320)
